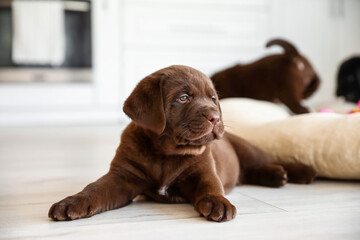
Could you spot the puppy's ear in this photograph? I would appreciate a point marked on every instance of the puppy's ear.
(145, 104)
(312, 87)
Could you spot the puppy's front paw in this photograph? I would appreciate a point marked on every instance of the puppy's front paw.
(71, 208)
(216, 208)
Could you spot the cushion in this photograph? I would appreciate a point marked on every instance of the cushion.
(249, 111)
(329, 142)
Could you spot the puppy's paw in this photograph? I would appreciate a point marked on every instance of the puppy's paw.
(300, 173)
(270, 175)
(277, 176)
(216, 208)
(71, 208)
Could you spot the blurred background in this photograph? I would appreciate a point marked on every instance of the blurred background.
(75, 62)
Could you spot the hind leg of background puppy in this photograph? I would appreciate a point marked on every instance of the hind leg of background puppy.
(292, 99)
(295, 106)
(109, 192)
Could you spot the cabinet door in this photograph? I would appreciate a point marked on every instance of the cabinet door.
(40, 102)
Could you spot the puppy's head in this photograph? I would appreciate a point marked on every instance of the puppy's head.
(348, 80)
(178, 102)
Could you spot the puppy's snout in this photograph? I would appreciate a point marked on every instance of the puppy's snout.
(213, 118)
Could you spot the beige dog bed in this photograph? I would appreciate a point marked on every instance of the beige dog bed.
(327, 141)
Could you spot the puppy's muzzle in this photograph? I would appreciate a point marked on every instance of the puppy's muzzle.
(213, 118)
(215, 122)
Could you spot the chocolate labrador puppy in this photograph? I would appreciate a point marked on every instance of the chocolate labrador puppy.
(287, 77)
(175, 150)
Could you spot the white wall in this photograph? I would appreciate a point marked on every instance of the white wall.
(326, 31)
(205, 34)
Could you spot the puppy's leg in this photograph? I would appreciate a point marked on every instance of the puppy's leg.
(109, 192)
(299, 173)
(204, 190)
(294, 104)
(257, 167)
(276, 175)
(270, 175)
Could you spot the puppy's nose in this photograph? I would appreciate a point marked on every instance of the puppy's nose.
(213, 118)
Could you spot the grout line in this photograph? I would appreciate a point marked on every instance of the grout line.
(284, 210)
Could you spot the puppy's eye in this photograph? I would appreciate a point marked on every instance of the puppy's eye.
(213, 98)
(183, 98)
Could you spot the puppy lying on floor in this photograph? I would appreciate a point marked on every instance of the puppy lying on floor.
(287, 77)
(175, 150)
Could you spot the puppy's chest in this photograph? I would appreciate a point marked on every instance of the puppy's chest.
(167, 169)
(166, 172)
(165, 194)
(165, 176)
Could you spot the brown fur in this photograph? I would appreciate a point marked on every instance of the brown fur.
(177, 144)
(287, 77)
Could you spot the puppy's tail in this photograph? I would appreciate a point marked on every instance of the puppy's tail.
(290, 49)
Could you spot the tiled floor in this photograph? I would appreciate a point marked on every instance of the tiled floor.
(39, 166)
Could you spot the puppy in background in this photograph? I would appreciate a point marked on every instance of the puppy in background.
(175, 150)
(286, 78)
(348, 80)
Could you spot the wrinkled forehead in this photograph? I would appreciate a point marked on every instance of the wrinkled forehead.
(192, 83)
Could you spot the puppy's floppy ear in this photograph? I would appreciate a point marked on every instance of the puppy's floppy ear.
(145, 104)
(312, 87)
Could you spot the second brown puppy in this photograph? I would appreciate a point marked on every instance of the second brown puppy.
(287, 78)
(175, 150)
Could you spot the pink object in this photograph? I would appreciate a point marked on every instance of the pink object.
(326, 110)
(357, 109)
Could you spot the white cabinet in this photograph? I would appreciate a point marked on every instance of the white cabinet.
(58, 103)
